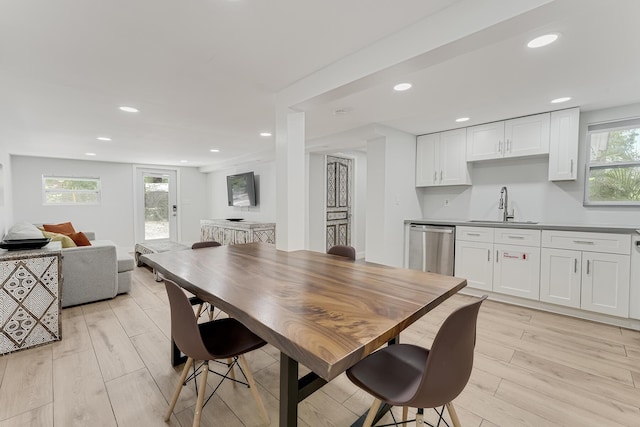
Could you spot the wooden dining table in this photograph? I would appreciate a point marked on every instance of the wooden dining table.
(322, 311)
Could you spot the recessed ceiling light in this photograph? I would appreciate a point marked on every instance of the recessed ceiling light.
(103, 138)
(89, 154)
(542, 40)
(402, 86)
(213, 150)
(462, 119)
(265, 134)
(184, 161)
(129, 109)
(559, 100)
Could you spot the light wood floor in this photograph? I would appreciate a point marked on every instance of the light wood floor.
(112, 368)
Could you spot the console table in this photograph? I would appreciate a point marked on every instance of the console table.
(30, 287)
(237, 232)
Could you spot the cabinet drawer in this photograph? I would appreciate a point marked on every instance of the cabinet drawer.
(516, 236)
(591, 242)
(475, 234)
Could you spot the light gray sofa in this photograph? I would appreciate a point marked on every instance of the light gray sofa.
(93, 273)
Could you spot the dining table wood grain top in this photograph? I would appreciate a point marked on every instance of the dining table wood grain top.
(324, 311)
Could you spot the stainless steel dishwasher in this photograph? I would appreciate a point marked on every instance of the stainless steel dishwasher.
(431, 248)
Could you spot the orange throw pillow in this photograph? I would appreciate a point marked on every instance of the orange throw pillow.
(79, 238)
(64, 228)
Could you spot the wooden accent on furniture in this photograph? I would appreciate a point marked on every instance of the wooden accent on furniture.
(316, 309)
(30, 288)
(237, 232)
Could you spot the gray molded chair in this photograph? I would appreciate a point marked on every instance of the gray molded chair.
(343, 250)
(411, 376)
(218, 339)
(202, 305)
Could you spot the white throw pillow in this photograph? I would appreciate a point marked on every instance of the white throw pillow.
(23, 230)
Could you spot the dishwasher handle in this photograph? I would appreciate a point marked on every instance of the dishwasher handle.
(431, 229)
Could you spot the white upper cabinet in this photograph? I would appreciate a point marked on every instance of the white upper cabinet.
(524, 136)
(527, 136)
(441, 159)
(484, 142)
(563, 147)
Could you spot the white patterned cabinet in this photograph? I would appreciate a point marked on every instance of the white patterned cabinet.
(237, 232)
(30, 286)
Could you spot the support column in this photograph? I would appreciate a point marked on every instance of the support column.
(290, 180)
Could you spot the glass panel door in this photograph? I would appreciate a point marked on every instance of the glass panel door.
(157, 206)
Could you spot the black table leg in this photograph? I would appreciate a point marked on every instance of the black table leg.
(288, 391)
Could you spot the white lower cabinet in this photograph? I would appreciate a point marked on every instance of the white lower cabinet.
(586, 279)
(512, 269)
(516, 271)
(605, 283)
(474, 261)
(560, 277)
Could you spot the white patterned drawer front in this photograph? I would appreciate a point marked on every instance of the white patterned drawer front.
(29, 301)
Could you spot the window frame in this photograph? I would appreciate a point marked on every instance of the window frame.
(97, 191)
(609, 126)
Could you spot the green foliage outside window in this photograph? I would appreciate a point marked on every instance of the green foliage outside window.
(614, 167)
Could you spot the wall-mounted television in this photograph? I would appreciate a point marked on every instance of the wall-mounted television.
(241, 189)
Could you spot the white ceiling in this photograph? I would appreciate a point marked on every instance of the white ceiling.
(206, 74)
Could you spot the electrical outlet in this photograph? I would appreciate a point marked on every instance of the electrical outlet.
(446, 202)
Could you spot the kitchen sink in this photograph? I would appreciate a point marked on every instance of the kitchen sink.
(501, 222)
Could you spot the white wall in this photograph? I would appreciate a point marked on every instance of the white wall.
(218, 207)
(113, 219)
(530, 193)
(391, 195)
(6, 204)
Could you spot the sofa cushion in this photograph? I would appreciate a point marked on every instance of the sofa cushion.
(125, 260)
(63, 228)
(66, 241)
(80, 239)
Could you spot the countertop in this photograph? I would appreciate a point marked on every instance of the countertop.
(594, 228)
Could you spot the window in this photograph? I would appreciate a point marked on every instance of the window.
(613, 164)
(60, 190)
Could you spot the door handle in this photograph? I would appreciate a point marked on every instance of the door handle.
(435, 177)
(440, 175)
(497, 256)
(571, 167)
(575, 265)
(488, 255)
(588, 265)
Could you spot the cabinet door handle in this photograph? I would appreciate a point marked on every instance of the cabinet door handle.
(499, 146)
(497, 255)
(516, 237)
(588, 265)
(571, 167)
(435, 177)
(473, 234)
(488, 254)
(507, 145)
(584, 242)
(575, 265)
(440, 175)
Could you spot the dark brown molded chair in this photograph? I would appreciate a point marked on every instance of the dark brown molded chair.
(411, 376)
(218, 339)
(208, 244)
(202, 305)
(343, 250)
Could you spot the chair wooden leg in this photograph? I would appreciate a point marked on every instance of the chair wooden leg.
(199, 312)
(372, 413)
(201, 392)
(405, 415)
(253, 387)
(232, 374)
(454, 416)
(176, 393)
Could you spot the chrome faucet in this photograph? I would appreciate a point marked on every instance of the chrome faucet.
(504, 205)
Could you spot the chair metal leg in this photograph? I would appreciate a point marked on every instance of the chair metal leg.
(420, 417)
(199, 312)
(405, 414)
(372, 413)
(454, 416)
(201, 392)
(253, 387)
(176, 393)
